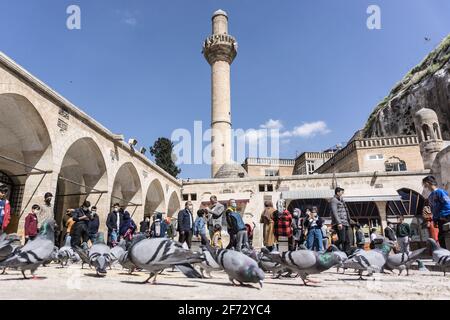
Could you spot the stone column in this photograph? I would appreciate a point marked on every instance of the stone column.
(219, 50)
(381, 205)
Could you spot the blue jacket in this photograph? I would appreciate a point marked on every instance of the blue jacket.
(185, 221)
(199, 226)
(440, 204)
(94, 224)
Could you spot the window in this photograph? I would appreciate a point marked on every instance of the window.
(266, 188)
(437, 131)
(395, 164)
(310, 167)
(376, 157)
(271, 173)
(426, 132)
(185, 197)
(193, 196)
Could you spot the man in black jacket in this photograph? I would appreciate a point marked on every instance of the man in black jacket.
(113, 223)
(186, 224)
(81, 216)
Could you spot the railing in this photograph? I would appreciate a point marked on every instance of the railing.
(270, 161)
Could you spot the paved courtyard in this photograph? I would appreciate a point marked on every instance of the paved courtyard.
(74, 283)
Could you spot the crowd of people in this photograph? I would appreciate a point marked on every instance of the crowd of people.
(303, 229)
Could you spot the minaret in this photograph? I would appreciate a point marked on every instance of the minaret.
(430, 137)
(219, 50)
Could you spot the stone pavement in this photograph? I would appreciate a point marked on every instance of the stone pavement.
(74, 283)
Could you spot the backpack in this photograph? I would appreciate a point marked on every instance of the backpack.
(239, 223)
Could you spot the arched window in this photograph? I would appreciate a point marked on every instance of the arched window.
(426, 132)
(437, 131)
(395, 164)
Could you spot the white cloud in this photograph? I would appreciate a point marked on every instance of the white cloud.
(272, 124)
(307, 130)
(132, 21)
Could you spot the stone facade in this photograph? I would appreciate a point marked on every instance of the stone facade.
(376, 154)
(265, 167)
(49, 145)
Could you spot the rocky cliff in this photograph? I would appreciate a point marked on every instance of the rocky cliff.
(427, 85)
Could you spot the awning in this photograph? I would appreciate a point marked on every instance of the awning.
(350, 195)
(308, 194)
(374, 194)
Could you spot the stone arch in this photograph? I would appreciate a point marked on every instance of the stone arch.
(437, 131)
(426, 132)
(25, 148)
(174, 204)
(155, 199)
(83, 176)
(127, 189)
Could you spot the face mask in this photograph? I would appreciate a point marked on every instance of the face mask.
(85, 209)
(37, 211)
(234, 205)
(190, 208)
(116, 210)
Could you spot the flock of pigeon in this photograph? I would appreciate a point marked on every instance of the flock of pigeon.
(243, 268)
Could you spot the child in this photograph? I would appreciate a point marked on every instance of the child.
(31, 223)
(216, 241)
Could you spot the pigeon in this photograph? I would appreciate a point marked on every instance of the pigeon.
(65, 253)
(371, 261)
(124, 259)
(118, 251)
(100, 255)
(9, 244)
(238, 266)
(209, 264)
(157, 254)
(35, 252)
(403, 261)
(83, 254)
(441, 256)
(342, 254)
(305, 262)
(267, 265)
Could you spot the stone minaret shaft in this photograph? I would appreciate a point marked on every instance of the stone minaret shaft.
(219, 50)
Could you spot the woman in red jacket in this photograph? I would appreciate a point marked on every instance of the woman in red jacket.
(31, 223)
(5, 209)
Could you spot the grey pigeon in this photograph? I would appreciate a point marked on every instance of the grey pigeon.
(65, 253)
(441, 256)
(371, 261)
(157, 254)
(342, 254)
(238, 266)
(124, 259)
(100, 255)
(9, 244)
(267, 265)
(403, 261)
(209, 264)
(35, 252)
(118, 251)
(305, 262)
(83, 254)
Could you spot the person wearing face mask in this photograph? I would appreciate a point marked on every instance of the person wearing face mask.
(113, 223)
(47, 210)
(31, 223)
(81, 217)
(186, 224)
(144, 225)
(93, 225)
(236, 227)
(297, 228)
(5, 209)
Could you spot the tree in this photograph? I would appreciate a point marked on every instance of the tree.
(162, 151)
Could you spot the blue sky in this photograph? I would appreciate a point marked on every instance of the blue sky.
(136, 65)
